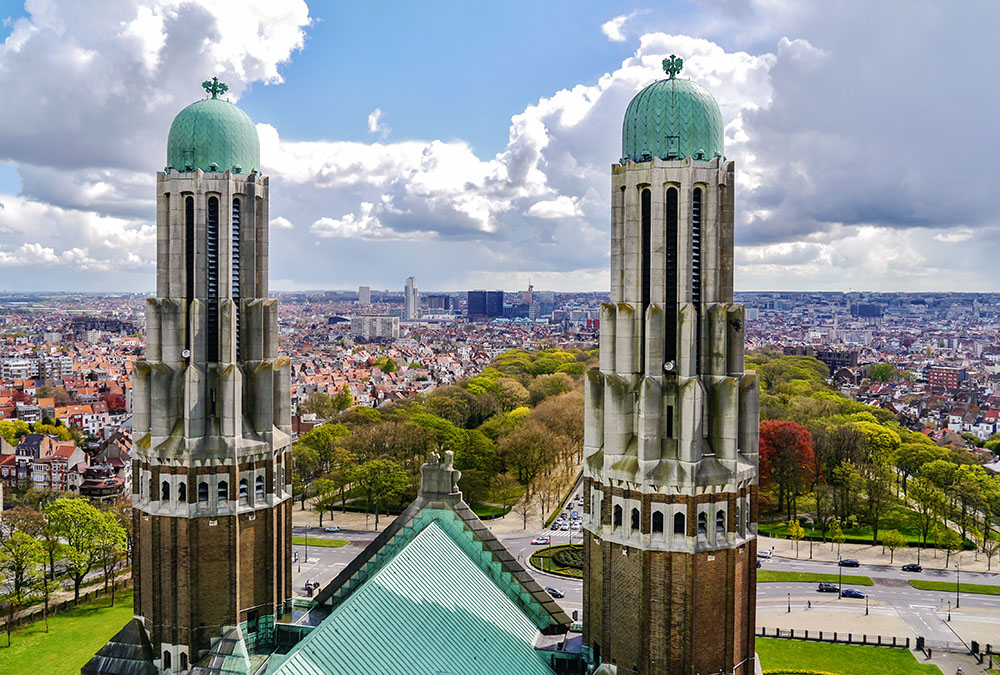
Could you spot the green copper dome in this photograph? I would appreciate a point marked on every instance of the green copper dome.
(213, 135)
(672, 119)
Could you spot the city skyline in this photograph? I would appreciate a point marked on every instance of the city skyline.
(486, 170)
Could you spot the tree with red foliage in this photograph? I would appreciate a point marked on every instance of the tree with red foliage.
(786, 460)
(115, 402)
(21, 396)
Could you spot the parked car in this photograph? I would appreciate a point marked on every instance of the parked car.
(542, 539)
(849, 563)
(564, 527)
(851, 593)
(556, 525)
(554, 592)
(332, 528)
(575, 515)
(826, 587)
(766, 553)
(577, 525)
(912, 567)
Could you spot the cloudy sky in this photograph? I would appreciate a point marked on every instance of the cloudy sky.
(469, 144)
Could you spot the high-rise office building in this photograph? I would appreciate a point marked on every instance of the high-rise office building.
(365, 295)
(212, 474)
(411, 300)
(486, 304)
(671, 416)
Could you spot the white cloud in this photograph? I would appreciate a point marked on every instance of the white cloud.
(281, 223)
(955, 237)
(376, 125)
(613, 29)
(560, 207)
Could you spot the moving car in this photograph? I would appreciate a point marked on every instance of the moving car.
(851, 593)
(827, 587)
(576, 525)
(332, 528)
(564, 526)
(849, 563)
(912, 567)
(541, 539)
(766, 553)
(556, 525)
(554, 592)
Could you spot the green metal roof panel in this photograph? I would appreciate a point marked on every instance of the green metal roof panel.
(429, 609)
(213, 135)
(672, 119)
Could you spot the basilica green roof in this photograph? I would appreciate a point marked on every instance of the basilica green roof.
(672, 119)
(213, 135)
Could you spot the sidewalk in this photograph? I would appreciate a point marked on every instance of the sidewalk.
(872, 555)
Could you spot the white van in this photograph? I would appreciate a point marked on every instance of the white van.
(766, 553)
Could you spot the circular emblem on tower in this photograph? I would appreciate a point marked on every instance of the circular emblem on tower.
(672, 119)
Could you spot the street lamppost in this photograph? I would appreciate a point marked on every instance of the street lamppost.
(789, 603)
(949, 610)
(958, 583)
(810, 544)
(840, 577)
(866, 605)
(307, 543)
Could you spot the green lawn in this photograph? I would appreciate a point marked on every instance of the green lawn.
(765, 576)
(786, 656)
(319, 541)
(982, 589)
(74, 636)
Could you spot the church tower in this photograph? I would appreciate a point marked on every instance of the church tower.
(212, 420)
(670, 472)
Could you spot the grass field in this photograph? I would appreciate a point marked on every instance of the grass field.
(766, 576)
(74, 636)
(544, 559)
(319, 541)
(982, 589)
(788, 655)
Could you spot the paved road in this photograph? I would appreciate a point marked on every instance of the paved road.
(892, 572)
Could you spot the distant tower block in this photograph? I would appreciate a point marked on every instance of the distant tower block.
(671, 416)
(212, 474)
(411, 300)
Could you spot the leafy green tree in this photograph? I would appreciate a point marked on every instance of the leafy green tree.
(505, 491)
(342, 465)
(930, 503)
(305, 463)
(389, 365)
(545, 386)
(528, 450)
(318, 403)
(76, 522)
(382, 480)
(343, 400)
(13, 431)
(21, 559)
(111, 543)
(892, 539)
(796, 532)
(883, 372)
(326, 497)
(837, 534)
(950, 541)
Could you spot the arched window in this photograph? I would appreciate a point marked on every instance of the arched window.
(259, 487)
(618, 515)
(635, 519)
(702, 523)
(720, 521)
(223, 491)
(657, 521)
(184, 661)
(645, 200)
(670, 304)
(166, 659)
(212, 278)
(696, 270)
(739, 518)
(678, 523)
(189, 262)
(236, 274)
(182, 492)
(203, 491)
(165, 491)
(244, 491)
(150, 488)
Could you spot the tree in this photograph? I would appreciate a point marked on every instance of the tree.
(75, 521)
(878, 488)
(20, 561)
(892, 539)
(930, 505)
(837, 534)
(325, 490)
(950, 541)
(381, 479)
(342, 464)
(389, 366)
(883, 372)
(305, 462)
(505, 490)
(343, 400)
(528, 450)
(786, 459)
(523, 508)
(122, 511)
(796, 532)
(111, 543)
(318, 403)
(990, 548)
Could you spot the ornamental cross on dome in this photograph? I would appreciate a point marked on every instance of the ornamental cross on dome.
(214, 87)
(673, 65)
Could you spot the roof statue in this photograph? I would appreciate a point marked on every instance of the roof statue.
(214, 87)
(672, 65)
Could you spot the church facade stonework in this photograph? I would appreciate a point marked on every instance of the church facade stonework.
(671, 421)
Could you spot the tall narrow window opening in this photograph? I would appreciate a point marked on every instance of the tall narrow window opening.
(646, 208)
(678, 523)
(188, 266)
(165, 492)
(670, 421)
(617, 516)
(212, 278)
(702, 523)
(696, 271)
(720, 521)
(658, 521)
(236, 274)
(244, 491)
(223, 491)
(635, 519)
(182, 492)
(203, 491)
(670, 304)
